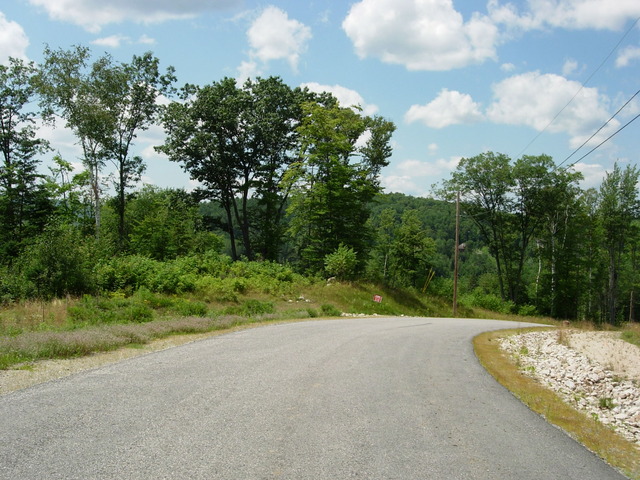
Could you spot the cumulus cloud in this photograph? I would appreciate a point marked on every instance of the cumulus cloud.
(146, 40)
(592, 173)
(92, 15)
(420, 35)
(627, 55)
(448, 108)
(570, 14)
(274, 36)
(534, 99)
(569, 67)
(415, 177)
(346, 96)
(114, 41)
(13, 40)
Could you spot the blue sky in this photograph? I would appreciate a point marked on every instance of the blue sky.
(456, 77)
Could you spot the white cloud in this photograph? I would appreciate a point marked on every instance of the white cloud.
(448, 108)
(246, 70)
(436, 168)
(534, 99)
(569, 67)
(432, 148)
(13, 40)
(401, 183)
(274, 36)
(346, 96)
(113, 41)
(415, 177)
(92, 15)
(146, 40)
(627, 55)
(569, 14)
(61, 138)
(593, 174)
(507, 67)
(420, 35)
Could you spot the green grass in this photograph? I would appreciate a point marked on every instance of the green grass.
(631, 334)
(74, 327)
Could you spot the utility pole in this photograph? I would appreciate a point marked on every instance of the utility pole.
(455, 257)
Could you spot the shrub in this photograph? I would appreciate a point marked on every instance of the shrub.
(101, 310)
(527, 310)
(127, 273)
(341, 263)
(214, 289)
(488, 301)
(57, 262)
(153, 300)
(190, 309)
(330, 311)
(250, 308)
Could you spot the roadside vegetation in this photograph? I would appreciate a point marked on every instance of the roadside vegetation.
(289, 220)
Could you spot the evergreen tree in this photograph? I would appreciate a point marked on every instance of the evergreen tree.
(334, 182)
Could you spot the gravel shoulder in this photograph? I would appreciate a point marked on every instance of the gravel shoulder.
(596, 372)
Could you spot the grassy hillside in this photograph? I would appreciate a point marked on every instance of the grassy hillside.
(79, 326)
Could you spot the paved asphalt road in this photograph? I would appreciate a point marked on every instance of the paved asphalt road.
(381, 398)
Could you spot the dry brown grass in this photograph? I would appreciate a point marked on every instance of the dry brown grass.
(30, 314)
(613, 448)
(36, 345)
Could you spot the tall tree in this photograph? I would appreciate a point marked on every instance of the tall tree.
(131, 99)
(274, 113)
(509, 203)
(619, 207)
(485, 182)
(558, 212)
(24, 200)
(165, 224)
(412, 251)
(106, 104)
(238, 142)
(71, 89)
(205, 135)
(335, 180)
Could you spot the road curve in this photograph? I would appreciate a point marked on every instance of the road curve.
(373, 398)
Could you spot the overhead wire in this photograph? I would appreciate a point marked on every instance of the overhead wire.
(598, 131)
(604, 141)
(582, 86)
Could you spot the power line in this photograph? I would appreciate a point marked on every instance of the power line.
(604, 141)
(597, 131)
(581, 87)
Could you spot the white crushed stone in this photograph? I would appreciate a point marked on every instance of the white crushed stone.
(590, 371)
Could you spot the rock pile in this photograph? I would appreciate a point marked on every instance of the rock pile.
(587, 385)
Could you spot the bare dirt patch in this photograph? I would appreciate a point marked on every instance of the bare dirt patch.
(608, 350)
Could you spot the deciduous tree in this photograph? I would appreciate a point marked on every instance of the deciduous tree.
(24, 200)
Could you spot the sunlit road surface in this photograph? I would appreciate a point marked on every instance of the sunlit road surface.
(368, 398)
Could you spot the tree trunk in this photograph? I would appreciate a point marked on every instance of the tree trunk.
(611, 297)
